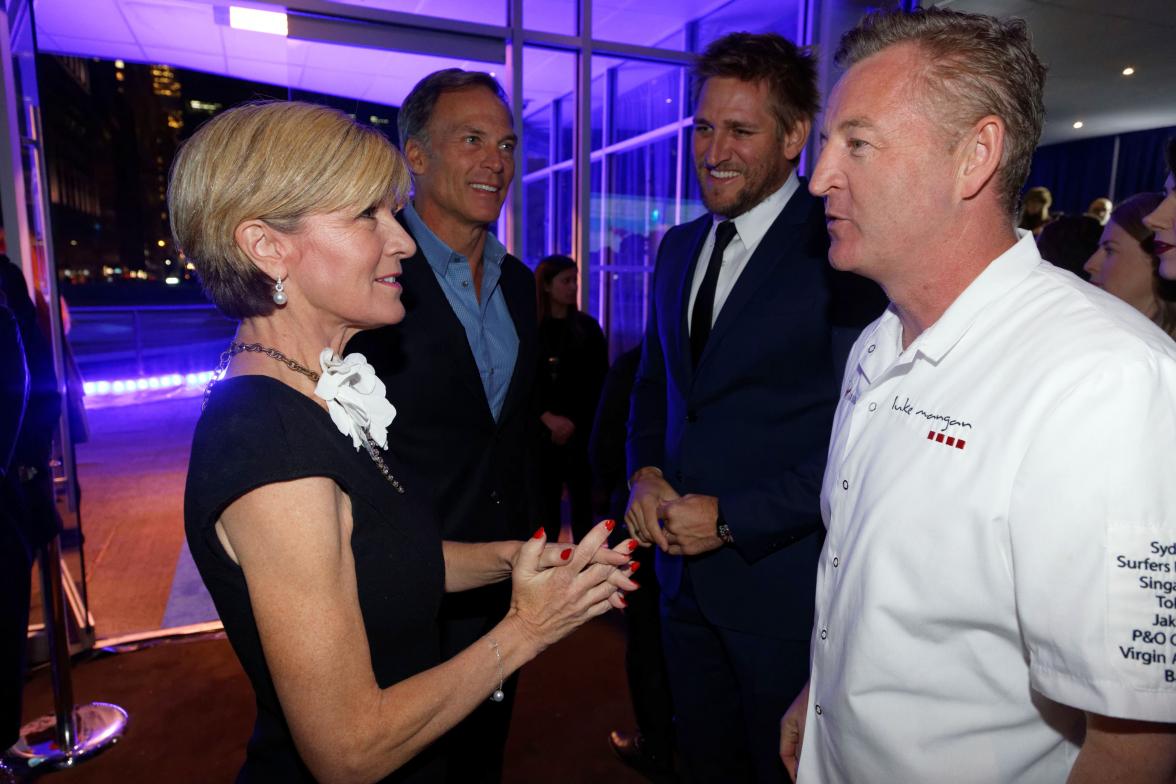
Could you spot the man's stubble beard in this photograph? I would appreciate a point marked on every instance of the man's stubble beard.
(745, 199)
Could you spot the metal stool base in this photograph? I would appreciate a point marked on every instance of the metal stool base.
(98, 726)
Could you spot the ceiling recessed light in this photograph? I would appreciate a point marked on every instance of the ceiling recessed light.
(258, 21)
(1128, 71)
(1078, 124)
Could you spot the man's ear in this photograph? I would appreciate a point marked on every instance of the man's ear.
(980, 154)
(264, 245)
(796, 137)
(416, 155)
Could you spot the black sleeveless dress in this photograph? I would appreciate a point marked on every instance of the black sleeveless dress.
(257, 431)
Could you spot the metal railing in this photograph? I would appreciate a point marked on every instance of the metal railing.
(133, 341)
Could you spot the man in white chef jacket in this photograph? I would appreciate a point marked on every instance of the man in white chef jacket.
(996, 597)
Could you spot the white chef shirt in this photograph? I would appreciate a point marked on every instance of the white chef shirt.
(1001, 516)
(750, 228)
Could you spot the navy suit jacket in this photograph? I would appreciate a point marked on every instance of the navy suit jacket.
(750, 425)
(478, 470)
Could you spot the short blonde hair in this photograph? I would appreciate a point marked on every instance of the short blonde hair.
(275, 161)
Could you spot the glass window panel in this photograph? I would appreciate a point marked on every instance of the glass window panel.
(628, 294)
(548, 77)
(646, 98)
(550, 16)
(536, 221)
(691, 206)
(636, 205)
(492, 12)
(537, 139)
(753, 16)
(600, 117)
(635, 196)
(562, 208)
(648, 22)
(566, 111)
(590, 300)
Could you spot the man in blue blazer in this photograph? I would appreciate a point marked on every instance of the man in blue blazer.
(744, 349)
(460, 368)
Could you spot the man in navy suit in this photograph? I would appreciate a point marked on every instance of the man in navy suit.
(460, 367)
(745, 345)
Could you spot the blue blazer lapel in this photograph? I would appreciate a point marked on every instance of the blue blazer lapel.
(694, 236)
(520, 301)
(425, 300)
(774, 248)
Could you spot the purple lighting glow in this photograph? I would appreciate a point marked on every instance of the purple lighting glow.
(272, 22)
(169, 381)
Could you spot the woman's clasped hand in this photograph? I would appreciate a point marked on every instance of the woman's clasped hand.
(556, 588)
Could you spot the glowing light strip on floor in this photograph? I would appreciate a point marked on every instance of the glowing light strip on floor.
(169, 381)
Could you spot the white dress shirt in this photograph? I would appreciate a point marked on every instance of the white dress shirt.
(750, 228)
(1001, 549)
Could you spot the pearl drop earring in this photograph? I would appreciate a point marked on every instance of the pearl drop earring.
(279, 292)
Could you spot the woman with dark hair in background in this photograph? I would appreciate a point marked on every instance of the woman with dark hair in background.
(573, 358)
(1127, 265)
(1162, 220)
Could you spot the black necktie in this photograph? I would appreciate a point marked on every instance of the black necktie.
(704, 301)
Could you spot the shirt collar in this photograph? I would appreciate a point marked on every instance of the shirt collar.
(437, 253)
(884, 343)
(752, 225)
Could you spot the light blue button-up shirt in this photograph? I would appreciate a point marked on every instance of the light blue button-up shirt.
(489, 328)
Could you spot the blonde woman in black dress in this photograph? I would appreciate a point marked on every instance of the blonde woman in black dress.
(319, 548)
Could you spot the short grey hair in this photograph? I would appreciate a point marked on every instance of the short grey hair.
(977, 65)
(412, 122)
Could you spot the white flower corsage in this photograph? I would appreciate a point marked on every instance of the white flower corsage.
(355, 398)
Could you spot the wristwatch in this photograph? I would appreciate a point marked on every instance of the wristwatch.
(722, 530)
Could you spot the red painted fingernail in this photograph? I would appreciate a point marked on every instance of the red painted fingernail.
(538, 534)
(610, 524)
(566, 554)
(632, 545)
(634, 581)
(634, 566)
(623, 602)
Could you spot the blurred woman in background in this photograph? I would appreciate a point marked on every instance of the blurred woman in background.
(573, 359)
(1162, 220)
(1127, 265)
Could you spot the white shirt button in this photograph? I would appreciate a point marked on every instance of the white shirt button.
(870, 350)
(844, 484)
(817, 709)
(824, 633)
(836, 562)
(873, 406)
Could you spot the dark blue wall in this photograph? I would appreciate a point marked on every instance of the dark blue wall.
(1079, 172)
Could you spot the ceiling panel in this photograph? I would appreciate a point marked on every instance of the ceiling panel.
(196, 61)
(95, 47)
(171, 25)
(1086, 44)
(100, 20)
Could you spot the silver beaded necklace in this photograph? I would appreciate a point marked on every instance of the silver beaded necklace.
(236, 348)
